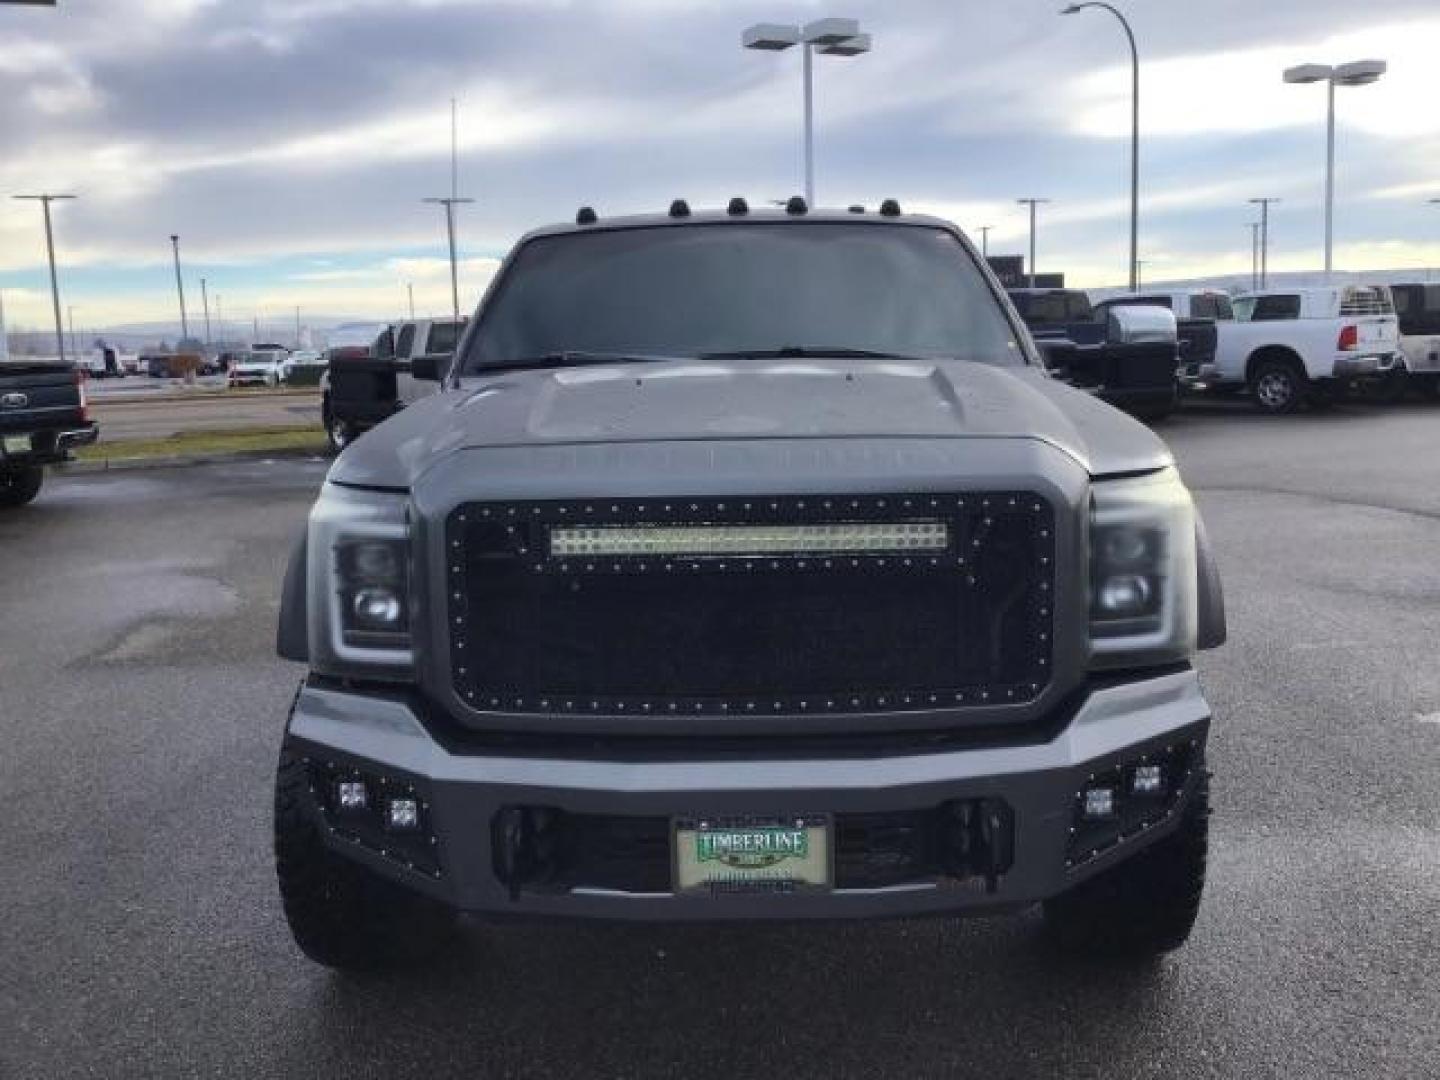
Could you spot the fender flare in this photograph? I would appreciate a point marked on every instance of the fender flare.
(1210, 626)
(292, 634)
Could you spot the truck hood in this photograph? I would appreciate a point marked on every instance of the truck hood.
(749, 400)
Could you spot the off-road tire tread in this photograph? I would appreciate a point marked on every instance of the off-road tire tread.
(21, 487)
(341, 914)
(1144, 907)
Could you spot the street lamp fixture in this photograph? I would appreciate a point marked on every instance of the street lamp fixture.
(1356, 73)
(829, 37)
(1134, 133)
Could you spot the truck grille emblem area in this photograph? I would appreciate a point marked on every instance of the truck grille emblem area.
(760, 605)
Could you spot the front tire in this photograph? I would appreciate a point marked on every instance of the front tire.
(338, 433)
(1279, 386)
(342, 915)
(1146, 906)
(19, 487)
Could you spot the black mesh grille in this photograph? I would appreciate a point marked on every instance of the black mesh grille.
(783, 633)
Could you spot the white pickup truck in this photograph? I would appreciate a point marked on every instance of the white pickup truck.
(1289, 346)
(1418, 309)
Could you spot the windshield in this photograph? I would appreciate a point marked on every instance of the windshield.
(691, 290)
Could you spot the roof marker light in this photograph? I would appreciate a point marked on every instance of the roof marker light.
(679, 208)
(890, 208)
(737, 207)
(586, 216)
(796, 205)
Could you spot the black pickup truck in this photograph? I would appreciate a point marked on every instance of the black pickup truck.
(1112, 356)
(43, 415)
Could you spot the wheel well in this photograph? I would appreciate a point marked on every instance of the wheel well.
(1272, 353)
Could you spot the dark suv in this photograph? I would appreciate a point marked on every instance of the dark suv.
(748, 565)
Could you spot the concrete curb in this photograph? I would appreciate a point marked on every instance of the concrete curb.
(176, 461)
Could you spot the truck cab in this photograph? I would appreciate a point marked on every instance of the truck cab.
(746, 565)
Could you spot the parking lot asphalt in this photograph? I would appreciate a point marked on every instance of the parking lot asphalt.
(141, 707)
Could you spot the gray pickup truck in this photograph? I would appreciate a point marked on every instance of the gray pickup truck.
(748, 565)
(43, 416)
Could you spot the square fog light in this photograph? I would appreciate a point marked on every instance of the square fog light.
(1099, 803)
(1147, 780)
(402, 815)
(351, 795)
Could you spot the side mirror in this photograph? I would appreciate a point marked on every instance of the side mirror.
(1140, 324)
(1058, 354)
(431, 367)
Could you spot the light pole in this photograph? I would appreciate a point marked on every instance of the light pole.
(985, 241)
(1254, 256)
(180, 288)
(1134, 134)
(830, 37)
(205, 299)
(220, 317)
(1032, 203)
(1264, 205)
(45, 201)
(1356, 73)
(450, 203)
(410, 291)
(70, 318)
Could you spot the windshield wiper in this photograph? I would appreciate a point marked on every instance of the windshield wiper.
(569, 358)
(800, 352)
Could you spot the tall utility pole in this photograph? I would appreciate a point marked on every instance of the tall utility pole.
(256, 320)
(180, 288)
(410, 290)
(1254, 255)
(205, 299)
(450, 202)
(297, 326)
(985, 241)
(1139, 265)
(70, 317)
(220, 317)
(45, 201)
(1264, 205)
(1032, 203)
(1134, 135)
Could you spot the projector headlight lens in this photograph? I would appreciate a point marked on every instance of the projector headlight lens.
(359, 579)
(1142, 571)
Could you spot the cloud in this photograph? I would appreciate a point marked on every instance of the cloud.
(272, 133)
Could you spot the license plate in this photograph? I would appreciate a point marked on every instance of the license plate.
(752, 854)
(16, 444)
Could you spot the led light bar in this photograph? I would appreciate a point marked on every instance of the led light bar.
(874, 537)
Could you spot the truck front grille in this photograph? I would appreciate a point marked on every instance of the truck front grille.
(759, 605)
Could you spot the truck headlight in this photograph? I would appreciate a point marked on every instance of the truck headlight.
(1142, 571)
(360, 574)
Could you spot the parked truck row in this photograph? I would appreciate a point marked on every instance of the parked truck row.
(1286, 348)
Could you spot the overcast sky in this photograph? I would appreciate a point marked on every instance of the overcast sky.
(289, 142)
